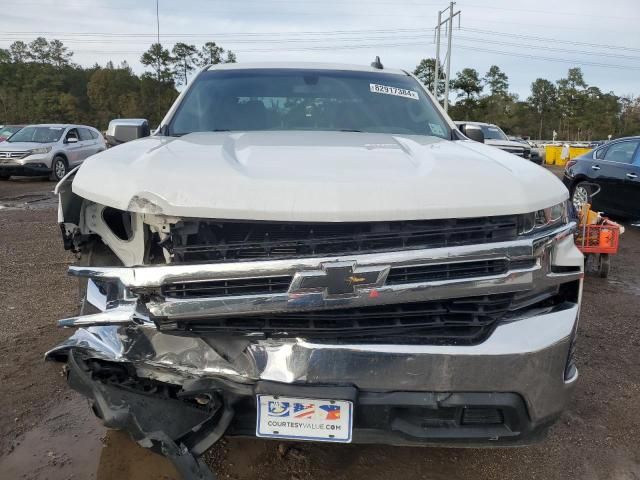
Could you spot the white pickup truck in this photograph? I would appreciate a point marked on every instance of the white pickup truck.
(315, 252)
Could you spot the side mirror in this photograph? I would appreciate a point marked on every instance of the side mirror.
(71, 140)
(473, 132)
(124, 130)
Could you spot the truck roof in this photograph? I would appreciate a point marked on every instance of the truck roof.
(304, 65)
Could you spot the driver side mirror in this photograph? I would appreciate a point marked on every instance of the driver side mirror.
(124, 130)
(71, 140)
(473, 132)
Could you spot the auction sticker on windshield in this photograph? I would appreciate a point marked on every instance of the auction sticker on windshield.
(304, 419)
(398, 92)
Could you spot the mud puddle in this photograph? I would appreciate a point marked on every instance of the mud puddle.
(70, 443)
(35, 201)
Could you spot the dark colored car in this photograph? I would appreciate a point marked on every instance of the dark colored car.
(615, 168)
(7, 130)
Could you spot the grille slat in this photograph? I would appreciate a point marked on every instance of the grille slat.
(215, 241)
(466, 320)
(447, 271)
(225, 288)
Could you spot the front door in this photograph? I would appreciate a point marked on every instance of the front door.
(72, 149)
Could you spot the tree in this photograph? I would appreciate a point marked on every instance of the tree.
(39, 50)
(231, 57)
(211, 54)
(543, 99)
(59, 55)
(19, 52)
(159, 59)
(5, 55)
(185, 58)
(426, 71)
(468, 82)
(497, 81)
(571, 99)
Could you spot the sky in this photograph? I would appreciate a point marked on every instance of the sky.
(542, 38)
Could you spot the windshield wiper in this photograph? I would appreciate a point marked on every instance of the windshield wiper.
(350, 130)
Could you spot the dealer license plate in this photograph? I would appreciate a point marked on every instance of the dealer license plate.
(304, 419)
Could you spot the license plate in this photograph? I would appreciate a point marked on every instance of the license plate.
(304, 419)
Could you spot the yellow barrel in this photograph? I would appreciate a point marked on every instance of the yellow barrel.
(552, 154)
(575, 152)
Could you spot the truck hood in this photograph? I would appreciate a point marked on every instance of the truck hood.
(315, 176)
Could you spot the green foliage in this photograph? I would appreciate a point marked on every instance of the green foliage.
(38, 83)
(426, 73)
(570, 106)
(160, 60)
(185, 59)
(497, 81)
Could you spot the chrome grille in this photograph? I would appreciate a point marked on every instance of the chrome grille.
(13, 155)
(217, 241)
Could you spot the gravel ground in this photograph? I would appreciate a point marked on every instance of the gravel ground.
(47, 431)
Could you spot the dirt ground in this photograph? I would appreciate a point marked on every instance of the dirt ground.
(47, 431)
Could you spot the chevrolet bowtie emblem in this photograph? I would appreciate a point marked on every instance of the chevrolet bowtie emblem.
(339, 279)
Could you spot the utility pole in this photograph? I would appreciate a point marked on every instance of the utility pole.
(436, 76)
(158, 18)
(449, 22)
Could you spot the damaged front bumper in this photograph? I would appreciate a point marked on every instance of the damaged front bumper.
(194, 390)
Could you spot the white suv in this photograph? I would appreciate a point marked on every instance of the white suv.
(50, 149)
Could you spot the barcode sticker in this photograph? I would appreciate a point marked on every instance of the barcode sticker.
(398, 92)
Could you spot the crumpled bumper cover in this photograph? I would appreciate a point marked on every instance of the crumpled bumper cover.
(519, 370)
(527, 357)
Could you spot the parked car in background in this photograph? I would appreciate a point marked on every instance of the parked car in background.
(39, 150)
(495, 137)
(7, 130)
(534, 154)
(614, 168)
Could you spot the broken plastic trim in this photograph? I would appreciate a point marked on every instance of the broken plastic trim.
(187, 432)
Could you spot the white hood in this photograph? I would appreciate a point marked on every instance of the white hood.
(315, 176)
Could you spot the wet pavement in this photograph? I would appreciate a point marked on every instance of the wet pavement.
(49, 432)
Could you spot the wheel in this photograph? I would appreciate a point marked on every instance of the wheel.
(4, 177)
(580, 195)
(59, 168)
(605, 265)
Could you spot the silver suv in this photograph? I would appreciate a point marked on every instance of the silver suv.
(52, 150)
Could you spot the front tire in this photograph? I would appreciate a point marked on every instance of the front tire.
(59, 168)
(4, 177)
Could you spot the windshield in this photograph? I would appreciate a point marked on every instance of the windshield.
(491, 132)
(291, 99)
(6, 132)
(37, 135)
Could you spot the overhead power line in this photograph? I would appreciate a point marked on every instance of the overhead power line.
(555, 40)
(549, 59)
(480, 41)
